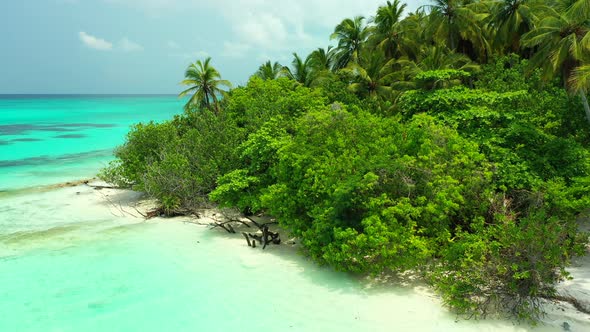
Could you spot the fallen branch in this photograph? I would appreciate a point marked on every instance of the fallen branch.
(225, 225)
(266, 237)
(100, 187)
(247, 239)
(571, 300)
(261, 225)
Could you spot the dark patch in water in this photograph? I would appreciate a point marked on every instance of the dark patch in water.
(97, 306)
(90, 125)
(26, 140)
(55, 129)
(70, 136)
(5, 142)
(12, 192)
(42, 160)
(36, 235)
(21, 128)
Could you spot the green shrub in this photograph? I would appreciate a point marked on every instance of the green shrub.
(260, 100)
(143, 146)
(508, 267)
(178, 162)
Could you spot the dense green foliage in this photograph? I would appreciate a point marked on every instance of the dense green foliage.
(415, 144)
(179, 161)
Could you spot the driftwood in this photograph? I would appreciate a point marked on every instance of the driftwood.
(247, 239)
(265, 238)
(100, 187)
(227, 225)
(159, 212)
(571, 300)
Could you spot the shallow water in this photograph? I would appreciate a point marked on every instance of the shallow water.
(52, 139)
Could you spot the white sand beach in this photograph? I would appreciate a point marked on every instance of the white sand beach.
(197, 271)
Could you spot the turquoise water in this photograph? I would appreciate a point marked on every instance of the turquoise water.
(52, 139)
(77, 259)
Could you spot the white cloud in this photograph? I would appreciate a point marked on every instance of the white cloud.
(235, 49)
(192, 56)
(177, 51)
(129, 46)
(265, 29)
(100, 44)
(283, 26)
(271, 26)
(94, 42)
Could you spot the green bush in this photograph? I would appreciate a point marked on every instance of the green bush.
(364, 193)
(144, 145)
(260, 100)
(177, 162)
(511, 133)
(508, 267)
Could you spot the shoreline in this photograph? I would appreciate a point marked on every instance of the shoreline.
(45, 188)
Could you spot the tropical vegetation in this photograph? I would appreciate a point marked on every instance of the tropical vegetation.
(205, 85)
(452, 142)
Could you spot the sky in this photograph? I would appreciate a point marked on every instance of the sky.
(144, 46)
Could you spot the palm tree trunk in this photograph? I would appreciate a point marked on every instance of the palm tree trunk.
(215, 104)
(585, 103)
(207, 102)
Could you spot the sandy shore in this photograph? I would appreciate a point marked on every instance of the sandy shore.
(128, 207)
(578, 288)
(558, 312)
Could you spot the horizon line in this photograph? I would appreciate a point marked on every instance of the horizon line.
(85, 94)
(73, 95)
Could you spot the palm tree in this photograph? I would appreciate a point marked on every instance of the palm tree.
(511, 19)
(270, 71)
(431, 57)
(323, 59)
(578, 9)
(387, 27)
(351, 34)
(205, 84)
(563, 43)
(301, 71)
(412, 35)
(457, 24)
(441, 57)
(374, 78)
(388, 16)
(580, 83)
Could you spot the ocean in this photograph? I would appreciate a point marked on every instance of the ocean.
(73, 259)
(51, 139)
